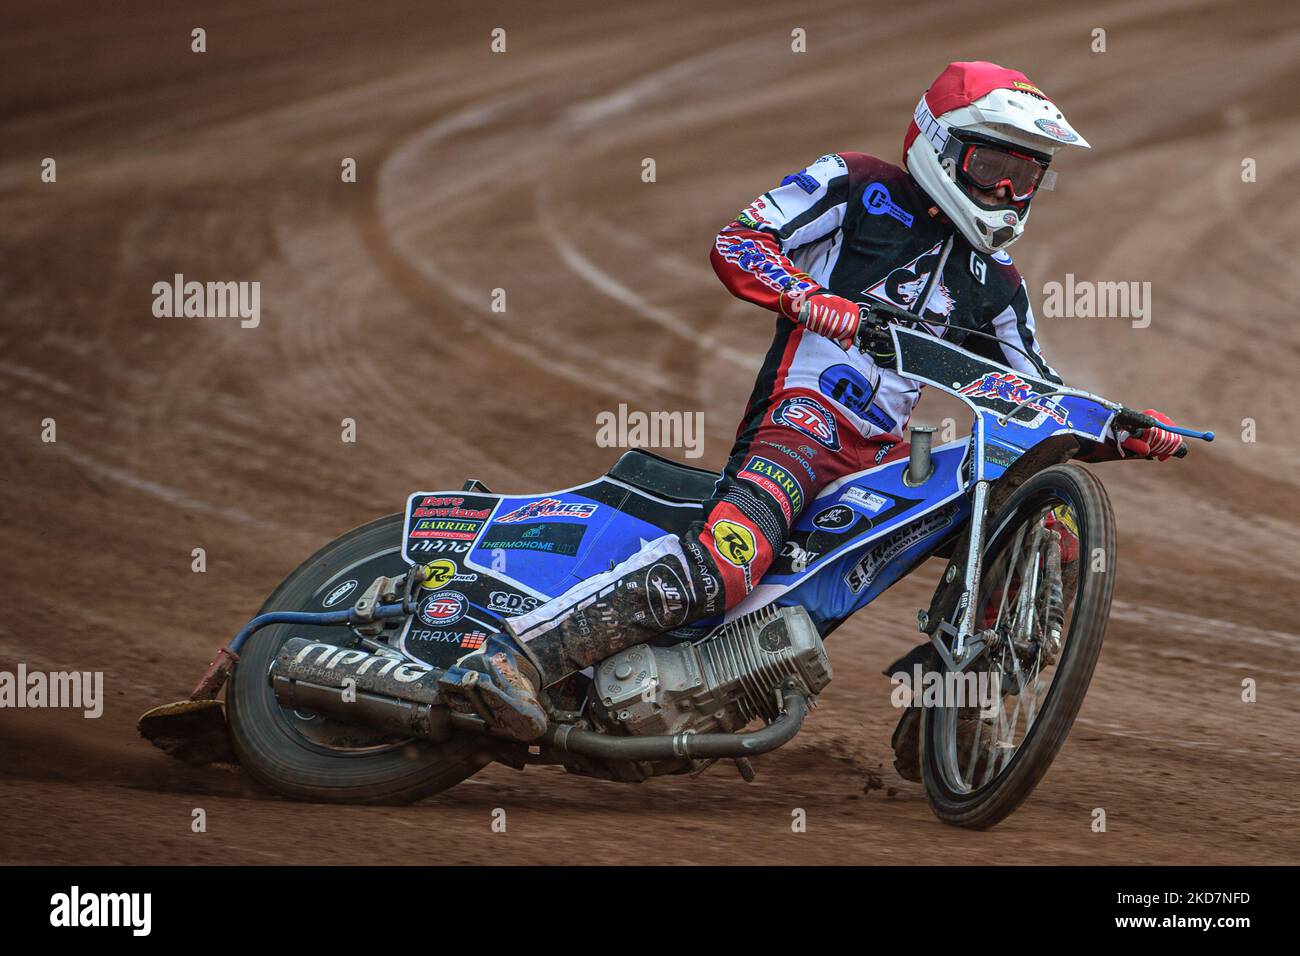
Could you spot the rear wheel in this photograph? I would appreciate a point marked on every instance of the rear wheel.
(1045, 592)
(303, 755)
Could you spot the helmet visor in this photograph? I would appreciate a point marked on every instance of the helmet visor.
(988, 167)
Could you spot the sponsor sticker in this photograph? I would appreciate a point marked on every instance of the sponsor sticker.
(999, 455)
(549, 508)
(868, 500)
(876, 415)
(442, 572)
(798, 556)
(776, 481)
(448, 528)
(798, 456)
(666, 595)
(735, 542)
(443, 609)
(878, 202)
(1009, 387)
(507, 602)
(331, 657)
(834, 518)
(437, 547)
(753, 213)
(804, 180)
(434, 636)
(545, 537)
(442, 645)
(1002, 455)
(704, 574)
(759, 262)
(1055, 130)
(848, 386)
(810, 417)
(445, 507)
(473, 640)
(865, 571)
(340, 592)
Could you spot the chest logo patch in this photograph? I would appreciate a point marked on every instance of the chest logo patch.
(904, 286)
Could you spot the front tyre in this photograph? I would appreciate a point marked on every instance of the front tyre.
(1049, 615)
(300, 754)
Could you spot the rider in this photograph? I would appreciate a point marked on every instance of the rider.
(930, 238)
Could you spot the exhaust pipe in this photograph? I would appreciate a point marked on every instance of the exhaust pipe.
(569, 739)
(355, 686)
(400, 695)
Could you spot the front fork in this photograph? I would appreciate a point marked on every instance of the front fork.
(967, 645)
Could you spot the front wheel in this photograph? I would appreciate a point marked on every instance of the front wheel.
(1044, 600)
(308, 757)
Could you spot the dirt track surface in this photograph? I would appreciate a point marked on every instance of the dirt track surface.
(522, 171)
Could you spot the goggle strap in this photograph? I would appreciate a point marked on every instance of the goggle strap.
(931, 127)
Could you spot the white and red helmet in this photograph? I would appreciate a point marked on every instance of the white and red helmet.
(980, 126)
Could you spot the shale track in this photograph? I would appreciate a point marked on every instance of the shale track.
(522, 171)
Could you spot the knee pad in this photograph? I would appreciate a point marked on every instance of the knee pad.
(738, 548)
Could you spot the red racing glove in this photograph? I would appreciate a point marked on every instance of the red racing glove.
(829, 315)
(1157, 443)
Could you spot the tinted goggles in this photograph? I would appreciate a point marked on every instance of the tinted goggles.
(987, 165)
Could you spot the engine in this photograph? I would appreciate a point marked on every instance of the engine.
(716, 685)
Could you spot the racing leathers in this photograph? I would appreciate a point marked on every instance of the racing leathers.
(848, 225)
(860, 229)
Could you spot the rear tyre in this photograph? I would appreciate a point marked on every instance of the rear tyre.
(302, 755)
(975, 783)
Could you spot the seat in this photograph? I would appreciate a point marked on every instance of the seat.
(662, 477)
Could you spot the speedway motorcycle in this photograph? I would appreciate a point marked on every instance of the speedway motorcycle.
(331, 691)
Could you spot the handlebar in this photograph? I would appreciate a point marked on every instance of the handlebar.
(875, 319)
(1142, 420)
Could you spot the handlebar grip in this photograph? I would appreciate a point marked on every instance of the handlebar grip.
(876, 311)
(1182, 451)
(1140, 420)
(875, 319)
(1136, 420)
